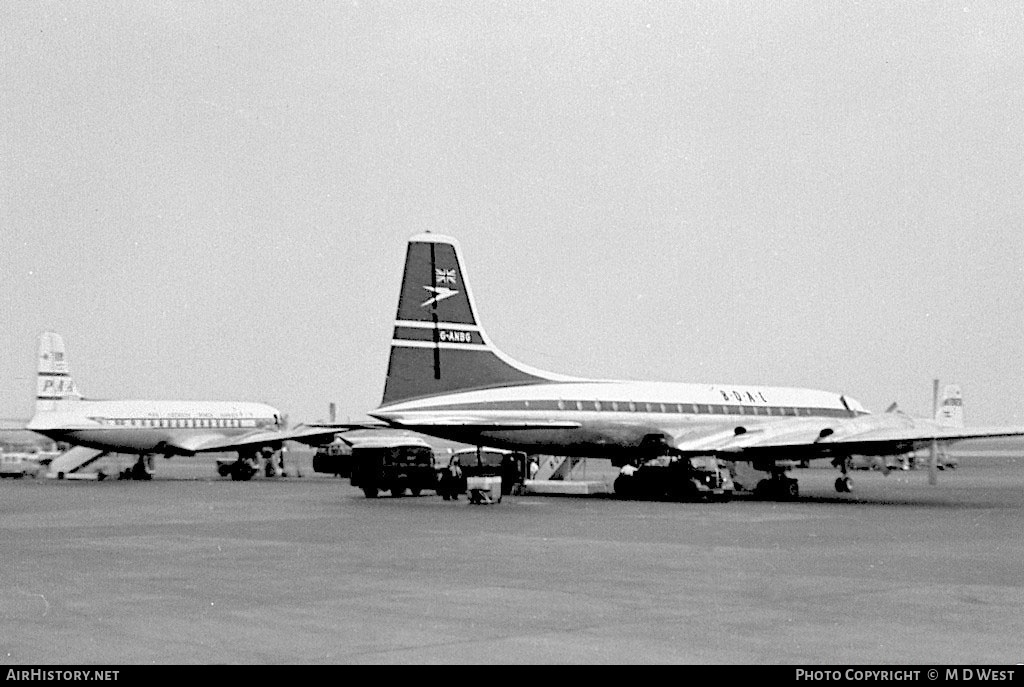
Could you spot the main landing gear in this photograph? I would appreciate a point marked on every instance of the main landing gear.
(141, 470)
(778, 487)
(245, 467)
(844, 484)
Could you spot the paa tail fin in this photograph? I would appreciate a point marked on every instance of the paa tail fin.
(439, 345)
(54, 384)
(951, 412)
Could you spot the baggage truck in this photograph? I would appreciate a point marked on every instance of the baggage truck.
(393, 464)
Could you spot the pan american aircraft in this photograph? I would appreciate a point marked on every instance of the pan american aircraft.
(447, 379)
(145, 428)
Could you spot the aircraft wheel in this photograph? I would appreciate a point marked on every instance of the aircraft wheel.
(624, 487)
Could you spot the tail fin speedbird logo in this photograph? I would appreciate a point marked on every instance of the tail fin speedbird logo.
(440, 291)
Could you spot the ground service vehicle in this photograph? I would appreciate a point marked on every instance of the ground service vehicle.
(18, 464)
(700, 477)
(482, 462)
(333, 459)
(393, 464)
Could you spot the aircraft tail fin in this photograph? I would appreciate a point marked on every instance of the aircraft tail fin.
(54, 384)
(951, 411)
(439, 345)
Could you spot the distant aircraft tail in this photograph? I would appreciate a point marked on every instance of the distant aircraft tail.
(54, 384)
(439, 345)
(951, 412)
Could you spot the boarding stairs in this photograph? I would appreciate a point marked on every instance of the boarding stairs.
(555, 467)
(73, 460)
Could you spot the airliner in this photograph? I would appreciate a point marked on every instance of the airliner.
(146, 428)
(447, 379)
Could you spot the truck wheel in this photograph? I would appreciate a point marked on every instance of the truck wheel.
(415, 491)
(624, 487)
(371, 492)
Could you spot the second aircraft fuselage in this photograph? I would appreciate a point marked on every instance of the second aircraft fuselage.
(150, 426)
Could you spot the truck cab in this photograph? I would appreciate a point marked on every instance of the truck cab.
(333, 459)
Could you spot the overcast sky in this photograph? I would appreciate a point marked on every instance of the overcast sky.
(212, 200)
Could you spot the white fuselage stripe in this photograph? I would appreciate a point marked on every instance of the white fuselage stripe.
(440, 344)
(430, 325)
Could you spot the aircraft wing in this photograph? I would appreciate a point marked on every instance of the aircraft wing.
(808, 438)
(218, 442)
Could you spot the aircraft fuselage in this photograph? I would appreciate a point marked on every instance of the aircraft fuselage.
(613, 418)
(151, 426)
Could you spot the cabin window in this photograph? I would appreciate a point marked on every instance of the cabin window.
(597, 405)
(632, 407)
(615, 405)
(579, 405)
